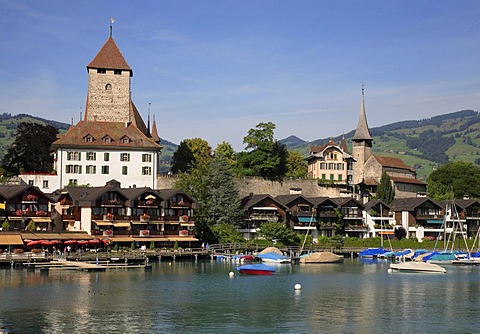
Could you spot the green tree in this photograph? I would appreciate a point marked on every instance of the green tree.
(456, 178)
(5, 225)
(385, 191)
(31, 226)
(30, 151)
(189, 153)
(226, 233)
(296, 165)
(226, 149)
(225, 206)
(278, 231)
(265, 157)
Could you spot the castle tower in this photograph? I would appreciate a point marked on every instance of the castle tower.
(109, 76)
(362, 144)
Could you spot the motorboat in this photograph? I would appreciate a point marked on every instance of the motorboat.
(243, 258)
(274, 258)
(372, 252)
(413, 266)
(256, 269)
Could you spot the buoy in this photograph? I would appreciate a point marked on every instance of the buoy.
(231, 274)
(389, 270)
(169, 263)
(298, 287)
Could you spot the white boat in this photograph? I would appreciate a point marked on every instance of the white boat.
(417, 267)
(274, 258)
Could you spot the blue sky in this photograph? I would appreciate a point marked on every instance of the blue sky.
(215, 69)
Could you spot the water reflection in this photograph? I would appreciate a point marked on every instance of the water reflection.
(184, 296)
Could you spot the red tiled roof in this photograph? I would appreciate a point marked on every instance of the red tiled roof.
(110, 57)
(392, 162)
(75, 136)
(406, 180)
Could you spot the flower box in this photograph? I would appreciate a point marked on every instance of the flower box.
(184, 219)
(144, 233)
(31, 198)
(144, 218)
(41, 213)
(108, 233)
(109, 216)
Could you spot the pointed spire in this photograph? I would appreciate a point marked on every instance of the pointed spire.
(110, 57)
(148, 118)
(362, 132)
(154, 133)
(343, 144)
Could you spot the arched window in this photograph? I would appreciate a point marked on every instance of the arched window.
(108, 87)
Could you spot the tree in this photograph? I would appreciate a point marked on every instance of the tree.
(226, 233)
(457, 178)
(30, 151)
(226, 149)
(189, 153)
(296, 165)
(385, 191)
(225, 204)
(266, 157)
(400, 233)
(278, 231)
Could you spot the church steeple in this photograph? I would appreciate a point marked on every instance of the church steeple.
(154, 133)
(363, 132)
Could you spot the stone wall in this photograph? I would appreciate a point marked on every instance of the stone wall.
(248, 185)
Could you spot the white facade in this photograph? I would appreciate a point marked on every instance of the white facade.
(132, 168)
(47, 183)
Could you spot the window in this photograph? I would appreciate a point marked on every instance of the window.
(107, 139)
(73, 169)
(146, 170)
(106, 156)
(146, 158)
(108, 87)
(125, 140)
(75, 156)
(90, 169)
(31, 183)
(117, 72)
(340, 177)
(45, 183)
(332, 177)
(105, 169)
(73, 181)
(91, 156)
(125, 157)
(101, 70)
(324, 176)
(89, 139)
(124, 170)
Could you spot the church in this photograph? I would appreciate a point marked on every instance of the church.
(112, 141)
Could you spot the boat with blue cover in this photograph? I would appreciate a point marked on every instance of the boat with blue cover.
(372, 252)
(274, 258)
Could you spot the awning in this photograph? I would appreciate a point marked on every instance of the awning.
(182, 239)
(11, 239)
(307, 219)
(125, 239)
(137, 222)
(434, 221)
(172, 223)
(386, 232)
(121, 224)
(103, 223)
(42, 220)
(151, 239)
(187, 224)
(265, 208)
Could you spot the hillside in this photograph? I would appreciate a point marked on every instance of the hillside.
(8, 125)
(423, 144)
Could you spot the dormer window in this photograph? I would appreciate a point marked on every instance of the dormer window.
(108, 87)
(125, 140)
(107, 139)
(89, 139)
(117, 71)
(101, 70)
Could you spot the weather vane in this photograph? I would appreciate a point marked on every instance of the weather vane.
(112, 21)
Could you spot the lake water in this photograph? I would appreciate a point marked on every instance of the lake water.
(200, 297)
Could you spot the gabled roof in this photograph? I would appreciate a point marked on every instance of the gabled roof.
(288, 199)
(343, 201)
(166, 194)
(392, 162)
(74, 137)
(406, 180)
(11, 191)
(410, 204)
(316, 151)
(110, 57)
(376, 202)
(319, 201)
(362, 132)
(250, 201)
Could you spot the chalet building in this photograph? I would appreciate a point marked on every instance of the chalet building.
(257, 210)
(326, 215)
(301, 215)
(112, 141)
(421, 217)
(462, 217)
(351, 217)
(22, 204)
(379, 219)
(126, 215)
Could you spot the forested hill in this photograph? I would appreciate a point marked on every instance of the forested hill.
(423, 144)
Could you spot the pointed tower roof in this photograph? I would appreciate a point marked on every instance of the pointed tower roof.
(362, 132)
(154, 132)
(343, 145)
(110, 57)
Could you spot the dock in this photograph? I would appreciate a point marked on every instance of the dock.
(83, 266)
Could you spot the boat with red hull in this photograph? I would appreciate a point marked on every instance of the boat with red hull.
(256, 269)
